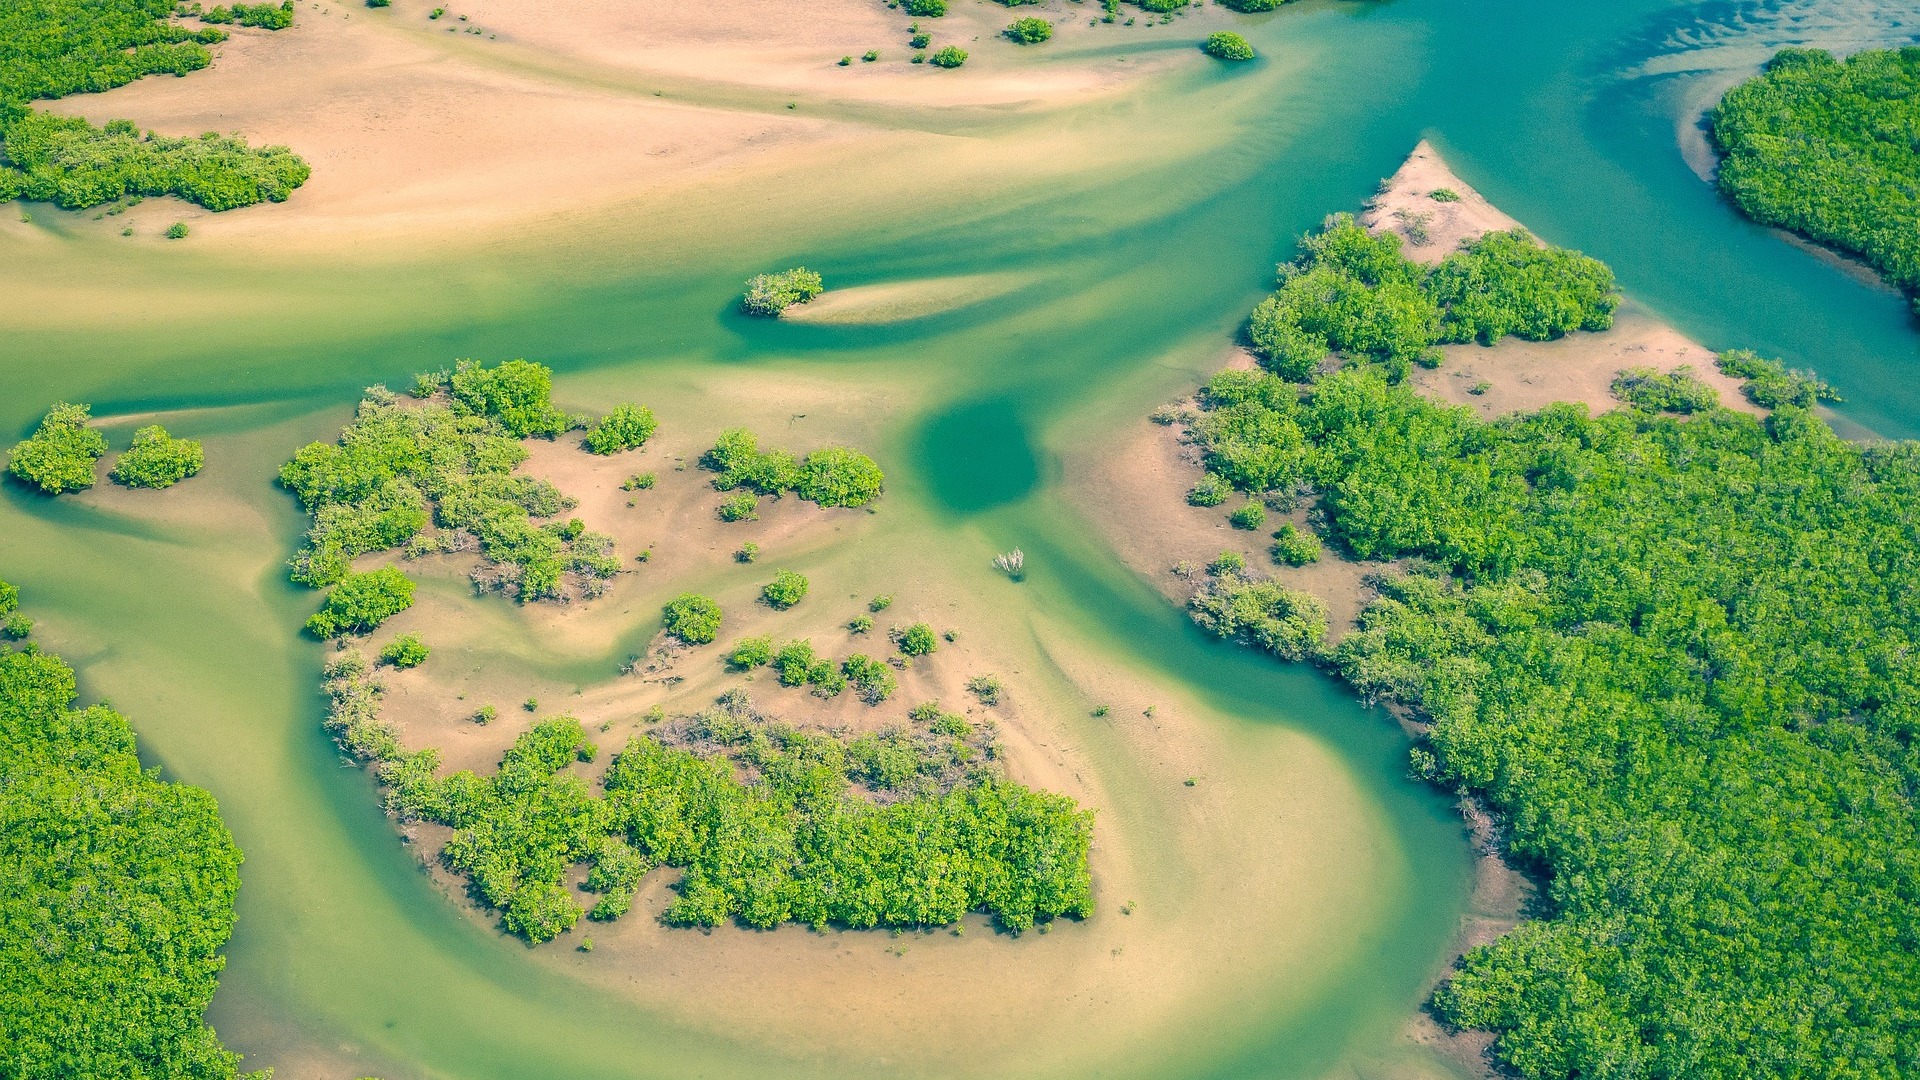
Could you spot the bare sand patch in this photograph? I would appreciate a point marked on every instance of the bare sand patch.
(504, 110)
(898, 301)
(1406, 207)
(1521, 376)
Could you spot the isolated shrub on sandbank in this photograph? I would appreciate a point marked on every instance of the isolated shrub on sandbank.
(770, 294)
(1227, 45)
(157, 459)
(61, 453)
(627, 427)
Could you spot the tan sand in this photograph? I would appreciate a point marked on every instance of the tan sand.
(898, 301)
(428, 128)
(1406, 200)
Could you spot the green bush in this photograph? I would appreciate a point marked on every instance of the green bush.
(516, 393)
(1770, 385)
(60, 455)
(1504, 283)
(627, 427)
(405, 651)
(785, 590)
(872, 679)
(919, 41)
(693, 619)
(924, 9)
(157, 459)
(1444, 194)
(638, 482)
(1676, 391)
(69, 162)
(1227, 563)
(1250, 516)
(177, 231)
(1162, 6)
(1295, 547)
(951, 56)
(1227, 45)
(118, 897)
(1290, 624)
(1353, 293)
(795, 662)
(1210, 491)
(361, 602)
(1028, 31)
(770, 294)
(954, 837)
(1825, 148)
(917, 640)
(1252, 7)
(739, 506)
(397, 469)
(753, 652)
(860, 624)
(829, 476)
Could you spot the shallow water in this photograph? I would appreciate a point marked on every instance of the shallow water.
(1572, 119)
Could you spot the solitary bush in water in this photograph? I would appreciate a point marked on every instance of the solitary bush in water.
(1162, 6)
(625, 428)
(157, 459)
(1028, 31)
(931, 9)
(770, 294)
(1252, 6)
(785, 590)
(1251, 516)
(405, 651)
(1676, 391)
(60, 454)
(951, 56)
(1012, 563)
(693, 619)
(361, 602)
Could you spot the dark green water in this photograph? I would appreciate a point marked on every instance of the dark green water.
(1141, 274)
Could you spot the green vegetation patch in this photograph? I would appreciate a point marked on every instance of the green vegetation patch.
(157, 459)
(829, 476)
(53, 48)
(914, 826)
(1676, 391)
(1677, 656)
(627, 427)
(1028, 31)
(770, 294)
(117, 898)
(785, 590)
(949, 56)
(1354, 293)
(405, 651)
(1826, 148)
(925, 9)
(692, 619)
(1227, 45)
(438, 476)
(361, 602)
(61, 453)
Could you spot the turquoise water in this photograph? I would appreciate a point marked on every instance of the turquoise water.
(1141, 276)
